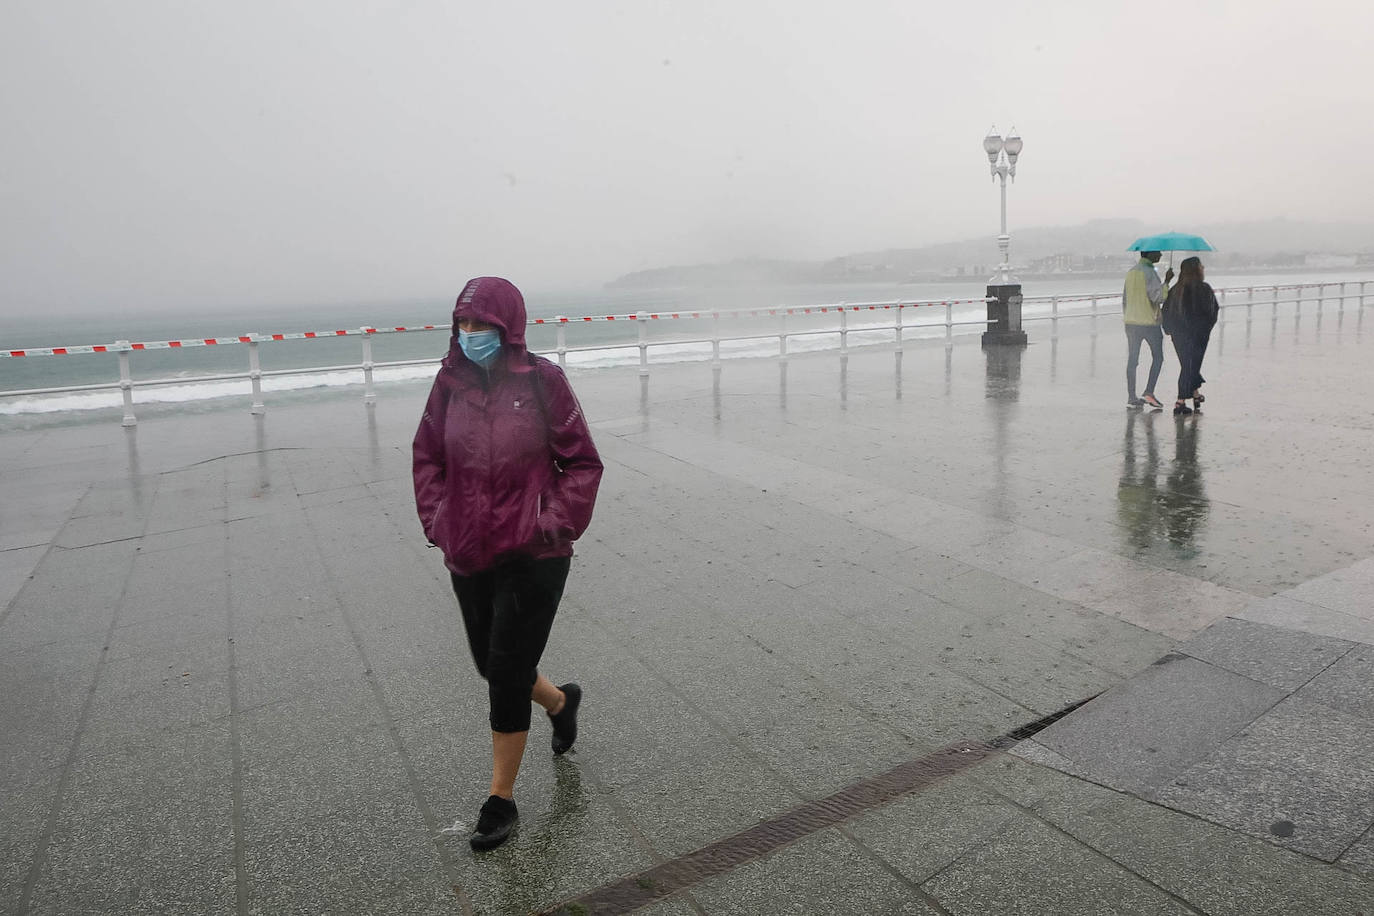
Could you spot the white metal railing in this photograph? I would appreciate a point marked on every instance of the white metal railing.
(1274, 296)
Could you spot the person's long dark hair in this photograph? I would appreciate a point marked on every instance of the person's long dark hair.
(1190, 271)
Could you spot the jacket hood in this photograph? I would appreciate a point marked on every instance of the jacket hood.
(497, 302)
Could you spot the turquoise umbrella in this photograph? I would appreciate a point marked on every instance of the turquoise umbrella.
(1170, 241)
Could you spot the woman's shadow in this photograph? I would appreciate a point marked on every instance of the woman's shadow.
(1160, 516)
(1185, 498)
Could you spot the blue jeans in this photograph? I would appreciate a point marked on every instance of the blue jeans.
(1136, 334)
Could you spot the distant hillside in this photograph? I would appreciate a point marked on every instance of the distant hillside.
(1276, 242)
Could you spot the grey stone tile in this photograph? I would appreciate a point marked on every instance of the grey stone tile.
(16, 566)
(1019, 553)
(352, 859)
(1348, 685)
(1091, 576)
(1032, 869)
(700, 794)
(293, 657)
(141, 696)
(1299, 777)
(1279, 657)
(189, 536)
(823, 873)
(923, 833)
(172, 854)
(1172, 604)
(27, 808)
(1281, 611)
(1133, 738)
(1359, 857)
(74, 594)
(98, 529)
(1349, 590)
(1216, 870)
(144, 829)
(673, 906)
(327, 715)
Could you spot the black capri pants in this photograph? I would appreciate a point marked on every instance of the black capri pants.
(508, 613)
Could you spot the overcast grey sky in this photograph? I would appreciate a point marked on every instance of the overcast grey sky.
(199, 153)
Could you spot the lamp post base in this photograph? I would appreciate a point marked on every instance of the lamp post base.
(1005, 339)
(1004, 317)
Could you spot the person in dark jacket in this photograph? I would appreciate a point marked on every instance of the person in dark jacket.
(506, 476)
(1190, 313)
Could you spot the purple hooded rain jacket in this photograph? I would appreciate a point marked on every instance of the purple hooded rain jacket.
(504, 464)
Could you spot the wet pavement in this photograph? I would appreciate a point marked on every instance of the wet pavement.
(822, 618)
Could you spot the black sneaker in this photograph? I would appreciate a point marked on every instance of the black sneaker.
(1135, 402)
(565, 723)
(1182, 410)
(495, 822)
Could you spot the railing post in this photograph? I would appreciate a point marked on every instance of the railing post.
(949, 325)
(369, 396)
(1054, 316)
(562, 342)
(715, 339)
(1342, 299)
(255, 373)
(782, 334)
(844, 330)
(1362, 283)
(643, 344)
(126, 383)
(898, 326)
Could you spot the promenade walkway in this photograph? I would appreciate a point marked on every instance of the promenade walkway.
(823, 618)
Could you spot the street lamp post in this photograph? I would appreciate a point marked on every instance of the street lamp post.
(1004, 293)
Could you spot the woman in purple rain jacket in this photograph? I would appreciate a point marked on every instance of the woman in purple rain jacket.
(505, 480)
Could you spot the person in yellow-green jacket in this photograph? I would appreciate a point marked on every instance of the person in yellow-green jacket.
(1140, 301)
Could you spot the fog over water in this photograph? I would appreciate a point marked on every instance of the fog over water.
(190, 158)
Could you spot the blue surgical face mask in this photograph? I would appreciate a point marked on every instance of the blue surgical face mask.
(480, 346)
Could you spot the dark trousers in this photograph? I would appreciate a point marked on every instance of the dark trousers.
(1136, 334)
(508, 612)
(1190, 351)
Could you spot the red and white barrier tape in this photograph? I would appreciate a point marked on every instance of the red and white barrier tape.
(633, 316)
(208, 341)
(315, 335)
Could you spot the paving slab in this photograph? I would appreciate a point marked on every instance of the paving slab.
(826, 873)
(1283, 611)
(1216, 870)
(1298, 776)
(1349, 590)
(1133, 737)
(1348, 685)
(1030, 868)
(1282, 658)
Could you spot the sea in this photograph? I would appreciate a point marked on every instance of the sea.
(330, 361)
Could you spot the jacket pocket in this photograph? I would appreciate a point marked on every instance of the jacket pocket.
(436, 524)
